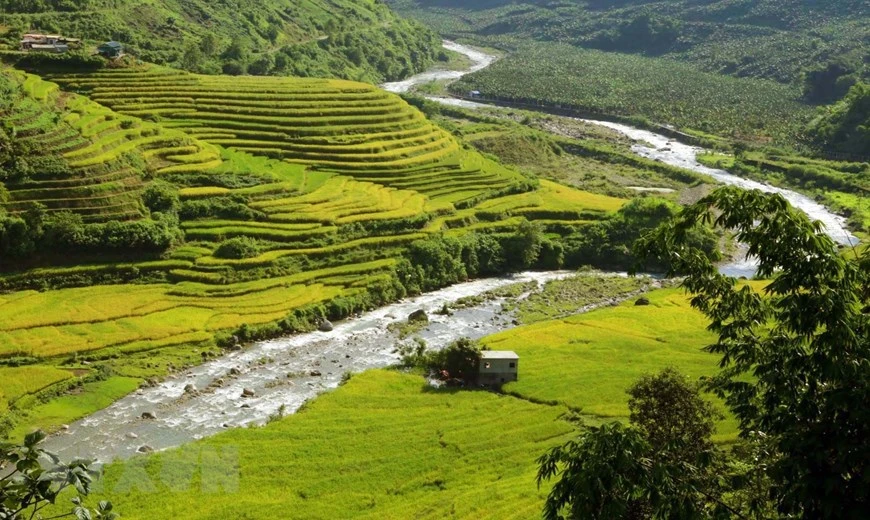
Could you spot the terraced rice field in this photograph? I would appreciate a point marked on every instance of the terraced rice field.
(339, 126)
(381, 446)
(142, 317)
(94, 141)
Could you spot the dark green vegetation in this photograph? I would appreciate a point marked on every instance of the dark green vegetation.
(630, 85)
(746, 70)
(657, 467)
(842, 186)
(845, 125)
(355, 39)
(775, 39)
(37, 478)
(809, 370)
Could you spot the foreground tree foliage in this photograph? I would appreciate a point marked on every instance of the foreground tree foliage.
(795, 373)
(795, 360)
(27, 487)
(663, 465)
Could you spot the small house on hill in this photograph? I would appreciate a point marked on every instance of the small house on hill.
(110, 49)
(498, 367)
(36, 42)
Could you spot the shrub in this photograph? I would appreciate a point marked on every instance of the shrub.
(239, 247)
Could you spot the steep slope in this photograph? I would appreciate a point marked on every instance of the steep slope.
(359, 39)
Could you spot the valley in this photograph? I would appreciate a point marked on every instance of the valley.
(211, 279)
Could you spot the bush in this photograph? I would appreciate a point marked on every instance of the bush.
(237, 248)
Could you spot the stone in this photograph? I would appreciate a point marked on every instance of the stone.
(64, 427)
(189, 389)
(145, 449)
(643, 300)
(418, 316)
(247, 392)
(326, 326)
(149, 416)
(245, 406)
(235, 372)
(132, 435)
(315, 373)
(236, 347)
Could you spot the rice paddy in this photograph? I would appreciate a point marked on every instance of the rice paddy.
(387, 445)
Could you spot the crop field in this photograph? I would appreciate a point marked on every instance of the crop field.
(67, 321)
(328, 181)
(382, 446)
(609, 349)
(405, 450)
(344, 127)
(629, 85)
(94, 142)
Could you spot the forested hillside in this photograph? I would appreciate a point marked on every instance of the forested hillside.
(776, 39)
(354, 39)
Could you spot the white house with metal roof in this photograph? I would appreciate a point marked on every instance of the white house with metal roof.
(498, 367)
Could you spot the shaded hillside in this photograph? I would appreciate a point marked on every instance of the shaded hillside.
(357, 39)
(768, 38)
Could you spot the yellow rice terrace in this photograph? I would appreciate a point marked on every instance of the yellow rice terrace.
(162, 215)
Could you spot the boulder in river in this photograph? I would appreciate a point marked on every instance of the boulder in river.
(326, 326)
(145, 449)
(247, 392)
(131, 435)
(643, 300)
(315, 373)
(235, 372)
(418, 316)
(189, 389)
(149, 416)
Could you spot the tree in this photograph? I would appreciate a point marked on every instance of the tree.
(192, 58)
(28, 487)
(795, 357)
(672, 415)
(209, 45)
(661, 466)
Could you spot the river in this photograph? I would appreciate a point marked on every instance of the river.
(208, 398)
(653, 146)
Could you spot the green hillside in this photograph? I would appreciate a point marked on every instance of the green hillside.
(771, 39)
(753, 71)
(252, 206)
(358, 39)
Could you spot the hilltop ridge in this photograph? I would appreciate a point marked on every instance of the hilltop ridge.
(353, 39)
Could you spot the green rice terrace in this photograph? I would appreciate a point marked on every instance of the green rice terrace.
(162, 212)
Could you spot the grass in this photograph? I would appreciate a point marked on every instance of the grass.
(84, 401)
(385, 445)
(88, 319)
(20, 381)
(382, 446)
(589, 360)
(561, 298)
